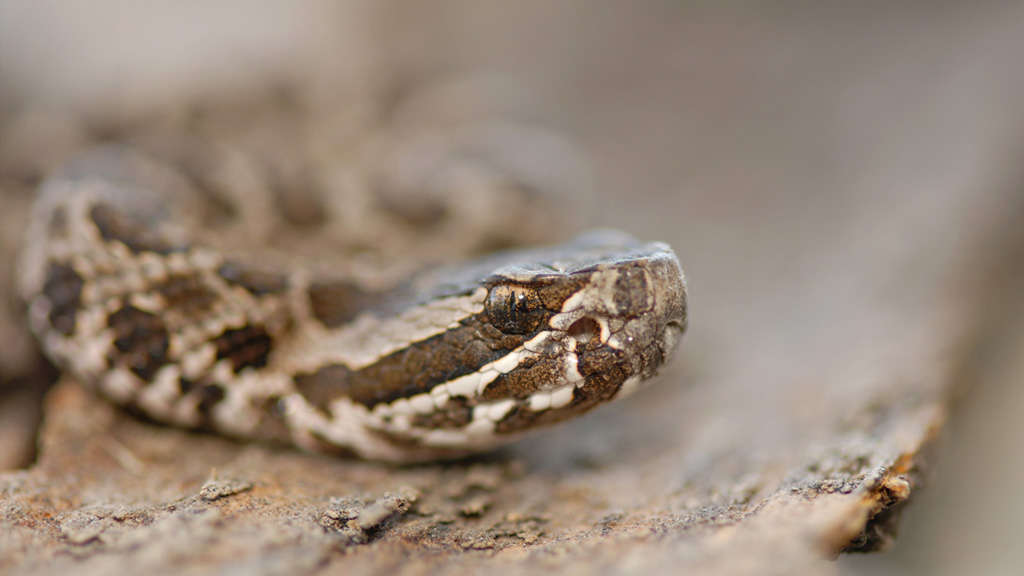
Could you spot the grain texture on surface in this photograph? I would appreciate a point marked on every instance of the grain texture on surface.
(842, 211)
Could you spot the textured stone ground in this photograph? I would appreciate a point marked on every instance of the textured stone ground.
(843, 190)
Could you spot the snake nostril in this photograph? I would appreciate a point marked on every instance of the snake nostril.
(584, 330)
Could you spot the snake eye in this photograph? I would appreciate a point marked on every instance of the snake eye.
(514, 309)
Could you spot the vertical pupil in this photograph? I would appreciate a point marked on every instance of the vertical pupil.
(513, 304)
(513, 310)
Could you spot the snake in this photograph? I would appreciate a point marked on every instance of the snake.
(135, 286)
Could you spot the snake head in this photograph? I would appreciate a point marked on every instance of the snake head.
(561, 331)
(598, 324)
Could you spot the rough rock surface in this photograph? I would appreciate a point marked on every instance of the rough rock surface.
(842, 237)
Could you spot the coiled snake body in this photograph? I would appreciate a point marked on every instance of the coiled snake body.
(130, 293)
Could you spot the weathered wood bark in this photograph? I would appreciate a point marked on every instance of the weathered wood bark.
(840, 234)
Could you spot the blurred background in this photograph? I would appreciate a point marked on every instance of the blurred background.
(779, 149)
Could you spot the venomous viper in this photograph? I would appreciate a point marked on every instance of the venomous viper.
(131, 289)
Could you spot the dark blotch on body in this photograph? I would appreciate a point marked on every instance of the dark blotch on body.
(209, 396)
(117, 225)
(336, 303)
(246, 347)
(63, 288)
(324, 385)
(186, 385)
(142, 339)
(257, 282)
(186, 294)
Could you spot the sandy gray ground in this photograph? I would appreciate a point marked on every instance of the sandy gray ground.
(843, 188)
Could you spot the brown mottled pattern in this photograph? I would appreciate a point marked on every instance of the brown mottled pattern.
(597, 390)
(553, 294)
(513, 314)
(257, 282)
(63, 288)
(186, 385)
(209, 396)
(631, 290)
(414, 369)
(531, 375)
(336, 303)
(324, 385)
(206, 394)
(525, 289)
(142, 338)
(116, 225)
(246, 347)
(605, 375)
(456, 413)
(595, 358)
(186, 294)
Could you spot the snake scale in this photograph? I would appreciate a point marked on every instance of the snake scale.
(137, 287)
